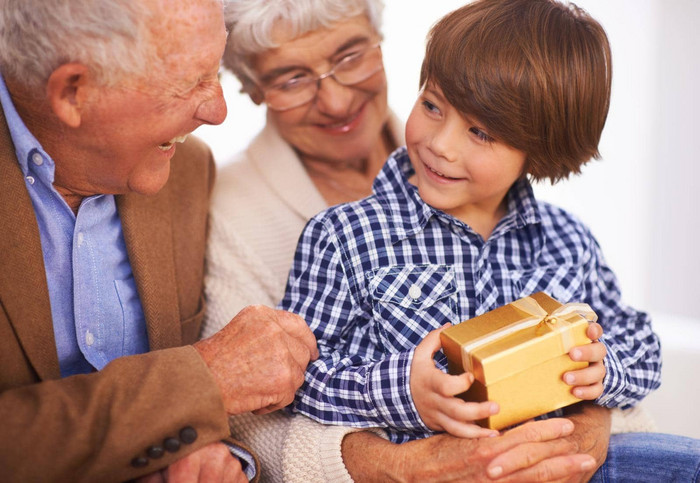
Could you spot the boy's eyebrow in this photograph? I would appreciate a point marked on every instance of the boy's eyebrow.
(434, 92)
(351, 42)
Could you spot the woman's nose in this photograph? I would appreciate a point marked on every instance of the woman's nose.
(333, 98)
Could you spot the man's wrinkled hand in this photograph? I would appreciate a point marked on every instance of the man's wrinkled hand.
(212, 463)
(259, 358)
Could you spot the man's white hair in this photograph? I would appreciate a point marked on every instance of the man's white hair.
(251, 25)
(108, 36)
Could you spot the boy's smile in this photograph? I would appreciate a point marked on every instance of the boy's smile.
(460, 169)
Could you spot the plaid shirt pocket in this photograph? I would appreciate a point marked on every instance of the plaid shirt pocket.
(408, 301)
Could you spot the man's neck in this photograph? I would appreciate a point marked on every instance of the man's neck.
(37, 116)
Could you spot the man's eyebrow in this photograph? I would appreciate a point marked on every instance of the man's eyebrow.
(276, 72)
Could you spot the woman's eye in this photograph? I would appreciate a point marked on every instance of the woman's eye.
(292, 82)
(481, 135)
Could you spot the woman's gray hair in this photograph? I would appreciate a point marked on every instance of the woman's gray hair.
(251, 25)
(108, 36)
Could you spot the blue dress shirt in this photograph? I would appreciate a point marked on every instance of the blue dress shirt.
(96, 310)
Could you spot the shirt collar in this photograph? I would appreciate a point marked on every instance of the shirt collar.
(410, 213)
(26, 145)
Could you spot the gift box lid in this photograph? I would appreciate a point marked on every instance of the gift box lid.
(511, 338)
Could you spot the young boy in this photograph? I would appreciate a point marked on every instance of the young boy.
(511, 91)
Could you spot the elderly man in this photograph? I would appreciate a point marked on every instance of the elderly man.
(103, 216)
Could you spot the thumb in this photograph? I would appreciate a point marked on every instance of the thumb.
(429, 346)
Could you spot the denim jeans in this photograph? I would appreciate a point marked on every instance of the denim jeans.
(650, 457)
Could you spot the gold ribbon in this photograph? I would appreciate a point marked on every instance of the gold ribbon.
(557, 320)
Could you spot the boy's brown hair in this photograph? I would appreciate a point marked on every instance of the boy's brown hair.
(536, 73)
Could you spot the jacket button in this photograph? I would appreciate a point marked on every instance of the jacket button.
(139, 462)
(188, 435)
(155, 452)
(171, 444)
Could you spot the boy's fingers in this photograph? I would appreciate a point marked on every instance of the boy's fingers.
(592, 374)
(447, 385)
(465, 430)
(588, 392)
(461, 411)
(594, 331)
(429, 346)
(593, 352)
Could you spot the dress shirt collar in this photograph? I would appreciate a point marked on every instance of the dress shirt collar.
(27, 148)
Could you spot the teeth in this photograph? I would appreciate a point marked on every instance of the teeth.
(438, 172)
(169, 144)
(179, 139)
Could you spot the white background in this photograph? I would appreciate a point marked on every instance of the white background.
(639, 200)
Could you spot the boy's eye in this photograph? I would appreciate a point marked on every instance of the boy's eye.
(430, 107)
(481, 135)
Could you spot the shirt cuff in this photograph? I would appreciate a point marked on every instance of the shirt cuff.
(390, 392)
(614, 380)
(246, 459)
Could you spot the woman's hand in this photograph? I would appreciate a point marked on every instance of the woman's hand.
(433, 394)
(588, 382)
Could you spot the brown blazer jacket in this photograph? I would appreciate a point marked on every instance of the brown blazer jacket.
(91, 427)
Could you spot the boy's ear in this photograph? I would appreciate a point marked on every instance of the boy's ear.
(66, 90)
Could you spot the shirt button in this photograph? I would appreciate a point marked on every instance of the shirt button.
(81, 238)
(414, 292)
(30, 179)
(89, 338)
(37, 159)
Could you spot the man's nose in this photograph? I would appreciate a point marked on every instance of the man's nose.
(212, 110)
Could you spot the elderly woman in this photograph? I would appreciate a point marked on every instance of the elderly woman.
(317, 66)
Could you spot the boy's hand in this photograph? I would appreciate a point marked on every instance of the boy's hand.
(588, 382)
(433, 394)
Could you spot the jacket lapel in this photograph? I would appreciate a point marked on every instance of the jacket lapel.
(148, 233)
(25, 294)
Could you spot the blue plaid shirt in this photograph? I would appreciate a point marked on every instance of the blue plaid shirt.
(373, 277)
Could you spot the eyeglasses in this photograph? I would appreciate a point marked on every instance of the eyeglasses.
(352, 69)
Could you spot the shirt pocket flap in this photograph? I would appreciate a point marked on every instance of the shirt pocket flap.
(414, 287)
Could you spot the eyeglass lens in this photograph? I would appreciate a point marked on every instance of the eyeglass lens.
(350, 70)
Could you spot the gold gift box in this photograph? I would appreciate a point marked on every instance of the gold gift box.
(518, 354)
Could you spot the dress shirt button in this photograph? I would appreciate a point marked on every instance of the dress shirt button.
(37, 159)
(81, 238)
(155, 452)
(171, 445)
(188, 435)
(89, 338)
(30, 179)
(414, 292)
(139, 462)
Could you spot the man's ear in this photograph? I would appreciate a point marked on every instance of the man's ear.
(67, 92)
